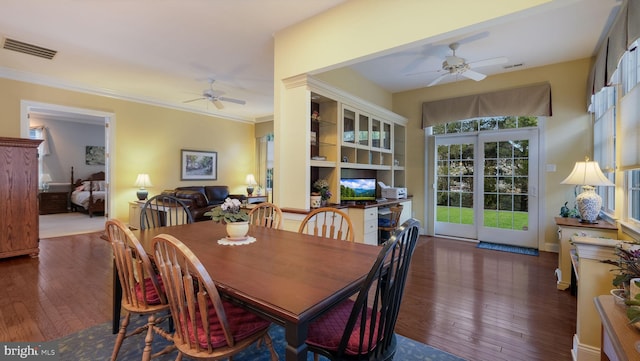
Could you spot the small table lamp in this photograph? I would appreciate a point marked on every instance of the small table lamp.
(143, 181)
(250, 181)
(588, 174)
(45, 179)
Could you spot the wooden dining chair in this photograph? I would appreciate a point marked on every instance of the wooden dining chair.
(266, 215)
(328, 222)
(363, 329)
(206, 326)
(387, 225)
(142, 291)
(164, 210)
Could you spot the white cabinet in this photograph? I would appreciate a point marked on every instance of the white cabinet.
(569, 227)
(365, 224)
(134, 213)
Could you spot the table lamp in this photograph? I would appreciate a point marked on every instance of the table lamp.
(143, 181)
(587, 174)
(45, 179)
(250, 181)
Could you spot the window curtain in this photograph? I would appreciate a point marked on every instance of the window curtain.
(603, 139)
(533, 100)
(41, 132)
(630, 130)
(623, 32)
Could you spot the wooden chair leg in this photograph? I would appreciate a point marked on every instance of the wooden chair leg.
(121, 336)
(269, 343)
(148, 340)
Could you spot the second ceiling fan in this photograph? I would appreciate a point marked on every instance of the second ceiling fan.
(455, 65)
(215, 96)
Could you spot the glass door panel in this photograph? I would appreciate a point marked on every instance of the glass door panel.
(348, 127)
(375, 133)
(363, 130)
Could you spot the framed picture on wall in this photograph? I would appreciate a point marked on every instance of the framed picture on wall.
(198, 165)
(94, 155)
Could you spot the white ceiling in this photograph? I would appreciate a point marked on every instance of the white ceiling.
(164, 52)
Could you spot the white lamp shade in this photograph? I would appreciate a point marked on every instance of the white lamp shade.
(250, 180)
(587, 173)
(45, 178)
(143, 181)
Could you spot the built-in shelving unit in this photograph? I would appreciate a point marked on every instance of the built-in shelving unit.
(345, 136)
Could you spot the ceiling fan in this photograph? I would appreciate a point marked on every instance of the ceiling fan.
(455, 65)
(215, 96)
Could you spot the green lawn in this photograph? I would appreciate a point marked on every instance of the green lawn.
(496, 219)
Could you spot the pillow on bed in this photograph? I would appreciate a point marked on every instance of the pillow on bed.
(80, 188)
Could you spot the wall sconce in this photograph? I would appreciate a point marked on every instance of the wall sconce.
(45, 178)
(587, 174)
(143, 181)
(250, 181)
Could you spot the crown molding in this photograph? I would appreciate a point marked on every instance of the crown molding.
(60, 84)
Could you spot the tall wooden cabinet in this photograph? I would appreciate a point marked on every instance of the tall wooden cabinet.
(19, 197)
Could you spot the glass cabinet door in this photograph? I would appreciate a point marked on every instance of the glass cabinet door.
(375, 133)
(363, 130)
(348, 127)
(385, 136)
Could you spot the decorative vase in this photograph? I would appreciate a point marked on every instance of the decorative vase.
(237, 229)
(589, 203)
(316, 201)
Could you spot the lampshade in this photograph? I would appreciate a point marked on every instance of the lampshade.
(588, 174)
(143, 181)
(45, 178)
(250, 181)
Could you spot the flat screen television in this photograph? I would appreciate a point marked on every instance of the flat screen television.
(357, 189)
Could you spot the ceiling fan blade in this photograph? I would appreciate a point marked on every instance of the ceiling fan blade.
(217, 103)
(193, 100)
(488, 62)
(232, 100)
(438, 79)
(473, 75)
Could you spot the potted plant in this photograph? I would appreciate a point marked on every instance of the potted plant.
(628, 265)
(235, 217)
(321, 188)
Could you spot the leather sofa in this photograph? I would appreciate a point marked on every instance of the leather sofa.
(202, 199)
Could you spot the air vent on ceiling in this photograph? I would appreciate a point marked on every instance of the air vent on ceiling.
(30, 49)
(513, 66)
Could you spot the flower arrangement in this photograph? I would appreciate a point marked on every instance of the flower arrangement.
(229, 211)
(321, 186)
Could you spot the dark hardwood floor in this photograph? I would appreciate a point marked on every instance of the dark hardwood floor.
(476, 304)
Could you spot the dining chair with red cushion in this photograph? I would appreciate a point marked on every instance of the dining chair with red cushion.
(363, 328)
(142, 288)
(206, 327)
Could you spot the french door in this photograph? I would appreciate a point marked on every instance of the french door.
(487, 187)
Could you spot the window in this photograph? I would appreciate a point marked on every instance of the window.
(483, 124)
(43, 148)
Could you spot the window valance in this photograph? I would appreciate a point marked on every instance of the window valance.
(623, 32)
(532, 100)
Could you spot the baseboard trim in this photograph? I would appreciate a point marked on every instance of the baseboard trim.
(582, 352)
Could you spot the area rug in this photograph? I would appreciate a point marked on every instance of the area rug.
(96, 343)
(508, 248)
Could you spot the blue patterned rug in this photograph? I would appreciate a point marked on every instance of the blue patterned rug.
(96, 343)
(508, 248)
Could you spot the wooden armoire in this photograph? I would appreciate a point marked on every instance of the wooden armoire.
(19, 233)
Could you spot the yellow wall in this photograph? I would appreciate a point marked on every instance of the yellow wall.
(566, 139)
(355, 84)
(148, 139)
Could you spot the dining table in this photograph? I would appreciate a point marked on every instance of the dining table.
(287, 277)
